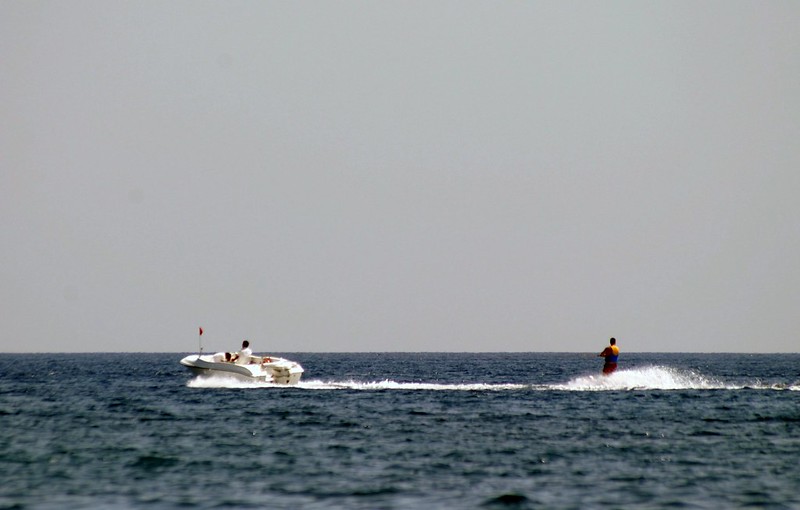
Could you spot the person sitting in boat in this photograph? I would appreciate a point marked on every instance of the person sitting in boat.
(243, 356)
(222, 356)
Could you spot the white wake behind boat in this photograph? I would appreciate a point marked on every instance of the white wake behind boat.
(258, 368)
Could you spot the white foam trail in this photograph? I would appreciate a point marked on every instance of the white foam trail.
(218, 381)
(221, 381)
(392, 385)
(649, 378)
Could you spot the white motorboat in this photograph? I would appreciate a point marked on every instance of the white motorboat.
(259, 368)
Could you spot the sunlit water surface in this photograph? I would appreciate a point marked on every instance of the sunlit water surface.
(370, 431)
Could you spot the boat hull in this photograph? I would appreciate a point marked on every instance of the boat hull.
(264, 369)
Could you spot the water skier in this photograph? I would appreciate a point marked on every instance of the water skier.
(610, 353)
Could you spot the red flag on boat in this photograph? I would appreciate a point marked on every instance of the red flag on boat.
(201, 331)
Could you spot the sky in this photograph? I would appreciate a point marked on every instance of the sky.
(400, 176)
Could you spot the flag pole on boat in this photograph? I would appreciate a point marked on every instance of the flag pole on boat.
(200, 341)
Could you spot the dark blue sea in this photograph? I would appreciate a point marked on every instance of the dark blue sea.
(403, 431)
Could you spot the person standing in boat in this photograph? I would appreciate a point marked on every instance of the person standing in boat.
(611, 354)
(243, 356)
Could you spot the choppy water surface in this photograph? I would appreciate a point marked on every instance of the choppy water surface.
(367, 431)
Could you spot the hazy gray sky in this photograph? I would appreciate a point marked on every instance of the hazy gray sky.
(400, 176)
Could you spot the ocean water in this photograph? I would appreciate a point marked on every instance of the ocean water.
(403, 431)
